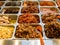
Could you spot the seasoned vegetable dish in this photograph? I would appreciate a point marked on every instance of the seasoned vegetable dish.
(28, 31)
(30, 3)
(46, 3)
(48, 18)
(31, 9)
(28, 18)
(46, 10)
(11, 10)
(13, 4)
(52, 30)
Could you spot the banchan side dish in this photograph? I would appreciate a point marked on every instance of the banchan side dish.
(24, 19)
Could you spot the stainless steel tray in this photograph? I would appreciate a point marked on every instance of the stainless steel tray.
(15, 41)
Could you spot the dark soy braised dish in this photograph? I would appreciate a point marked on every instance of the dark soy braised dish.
(47, 10)
(13, 4)
(28, 18)
(30, 3)
(11, 10)
(52, 30)
(48, 18)
(28, 31)
(32, 9)
(52, 25)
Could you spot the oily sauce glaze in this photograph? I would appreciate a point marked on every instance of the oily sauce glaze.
(13, 4)
(31, 9)
(11, 10)
(46, 3)
(46, 10)
(52, 30)
(30, 3)
(28, 18)
(48, 18)
(28, 31)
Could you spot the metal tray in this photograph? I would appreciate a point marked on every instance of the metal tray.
(24, 41)
(57, 10)
(12, 21)
(33, 25)
(35, 15)
(49, 1)
(5, 9)
(16, 3)
(26, 4)
(10, 26)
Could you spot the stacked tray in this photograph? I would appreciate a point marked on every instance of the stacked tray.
(29, 19)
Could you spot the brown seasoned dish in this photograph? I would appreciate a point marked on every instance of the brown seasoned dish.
(1, 3)
(28, 31)
(13, 4)
(47, 3)
(48, 18)
(11, 10)
(52, 30)
(30, 3)
(32, 9)
(46, 10)
(28, 18)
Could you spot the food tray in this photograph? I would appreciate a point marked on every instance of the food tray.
(49, 10)
(35, 18)
(5, 35)
(8, 10)
(20, 14)
(36, 9)
(48, 23)
(45, 21)
(32, 25)
(11, 20)
(30, 3)
(47, 4)
(15, 3)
